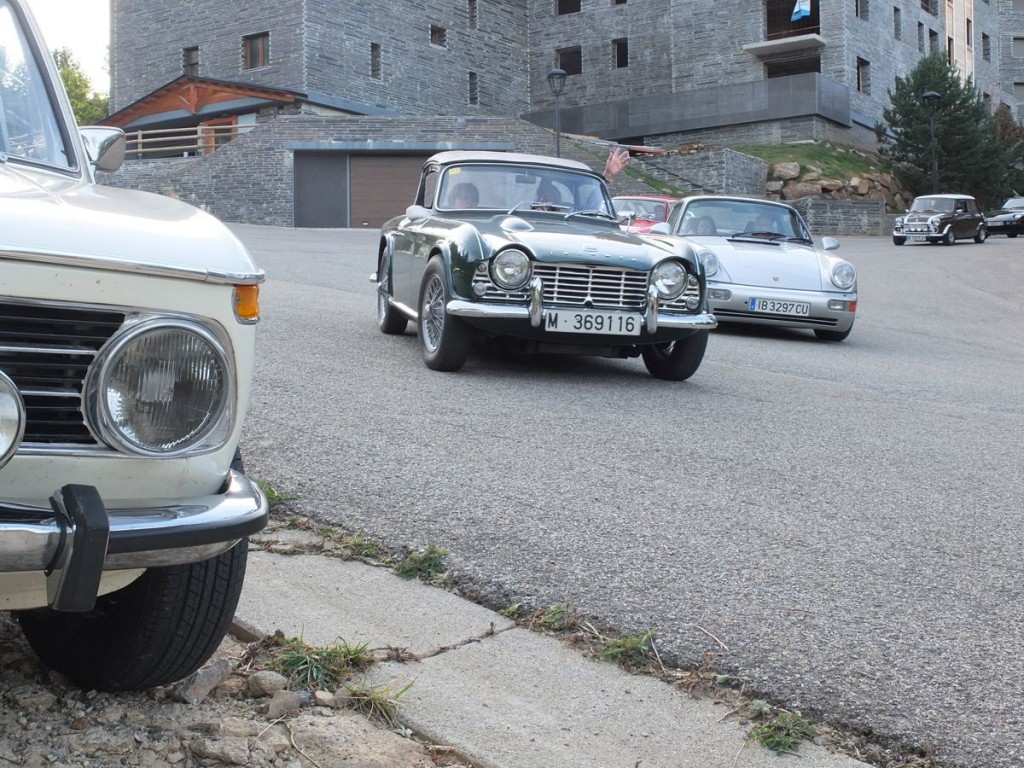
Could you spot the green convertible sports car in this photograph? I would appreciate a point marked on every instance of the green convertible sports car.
(526, 251)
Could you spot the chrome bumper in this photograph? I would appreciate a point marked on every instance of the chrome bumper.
(535, 312)
(78, 539)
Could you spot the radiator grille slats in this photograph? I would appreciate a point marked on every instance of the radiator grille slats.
(46, 350)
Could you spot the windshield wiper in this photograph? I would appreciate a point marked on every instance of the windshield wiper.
(593, 212)
(538, 206)
(763, 235)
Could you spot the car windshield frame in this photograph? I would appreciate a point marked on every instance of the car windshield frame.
(741, 218)
(933, 204)
(1013, 204)
(32, 126)
(518, 187)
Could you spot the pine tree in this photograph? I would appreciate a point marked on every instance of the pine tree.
(971, 157)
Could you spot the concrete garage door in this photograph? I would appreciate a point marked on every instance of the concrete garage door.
(334, 189)
(382, 186)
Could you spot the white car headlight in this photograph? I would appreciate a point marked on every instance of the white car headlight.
(710, 262)
(844, 276)
(899, 221)
(165, 387)
(934, 221)
(510, 269)
(669, 278)
(1018, 216)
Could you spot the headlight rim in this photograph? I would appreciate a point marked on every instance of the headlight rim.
(670, 295)
(493, 271)
(713, 258)
(215, 432)
(843, 285)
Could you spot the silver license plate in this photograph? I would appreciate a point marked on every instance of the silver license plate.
(593, 321)
(776, 307)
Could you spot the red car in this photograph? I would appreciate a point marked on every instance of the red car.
(638, 213)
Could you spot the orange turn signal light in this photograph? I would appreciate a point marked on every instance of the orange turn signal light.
(247, 303)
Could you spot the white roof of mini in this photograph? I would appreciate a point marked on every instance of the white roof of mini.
(950, 196)
(475, 156)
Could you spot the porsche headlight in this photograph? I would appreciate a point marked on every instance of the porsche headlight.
(844, 275)
(164, 388)
(669, 278)
(710, 262)
(510, 269)
(1018, 216)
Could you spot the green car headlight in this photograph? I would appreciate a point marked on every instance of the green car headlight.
(844, 276)
(669, 279)
(510, 269)
(165, 387)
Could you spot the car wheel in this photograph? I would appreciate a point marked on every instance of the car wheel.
(981, 235)
(950, 237)
(676, 360)
(1012, 234)
(445, 339)
(389, 319)
(898, 240)
(824, 335)
(160, 628)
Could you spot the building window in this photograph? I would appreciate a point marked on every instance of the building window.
(474, 88)
(1018, 47)
(920, 37)
(986, 47)
(862, 9)
(620, 52)
(375, 69)
(933, 41)
(256, 50)
(863, 76)
(949, 49)
(562, 7)
(570, 59)
(1018, 6)
(618, 2)
(438, 36)
(190, 61)
(970, 33)
(1018, 92)
(779, 21)
(897, 23)
(471, 9)
(932, 6)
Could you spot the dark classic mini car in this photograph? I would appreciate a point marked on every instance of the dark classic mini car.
(127, 342)
(1008, 219)
(940, 219)
(763, 267)
(526, 251)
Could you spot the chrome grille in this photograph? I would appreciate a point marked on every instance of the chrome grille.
(46, 350)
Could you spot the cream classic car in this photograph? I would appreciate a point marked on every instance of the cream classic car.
(127, 337)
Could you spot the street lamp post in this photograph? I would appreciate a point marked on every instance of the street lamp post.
(556, 81)
(931, 101)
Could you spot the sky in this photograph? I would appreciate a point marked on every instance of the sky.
(83, 26)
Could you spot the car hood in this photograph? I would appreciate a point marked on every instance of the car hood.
(922, 218)
(783, 265)
(578, 240)
(1005, 212)
(45, 217)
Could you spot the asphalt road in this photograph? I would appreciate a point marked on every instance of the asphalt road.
(839, 524)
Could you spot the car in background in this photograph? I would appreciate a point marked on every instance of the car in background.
(940, 219)
(764, 268)
(1008, 219)
(638, 213)
(525, 251)
(127, 350)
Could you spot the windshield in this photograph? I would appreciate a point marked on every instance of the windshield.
(506, 186)
(1014, 202)
(29, 126)
(932, 205)
(733, 218)
(644, 210)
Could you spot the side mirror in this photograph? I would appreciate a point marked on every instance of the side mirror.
(661, 229)
(105, 146)
(417, 212)
(829, 243)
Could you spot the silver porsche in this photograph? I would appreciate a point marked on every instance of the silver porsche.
(763, 267)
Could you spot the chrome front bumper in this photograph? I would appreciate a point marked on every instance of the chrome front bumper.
(78, 539)
(535, 312)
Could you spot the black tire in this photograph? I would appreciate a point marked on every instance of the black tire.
(160, 628)
(824, 335)
(444, 339)
(1012, 234)
(897, 240)
(389, 320)
(981, 235)
(676, 360)
(949, 238)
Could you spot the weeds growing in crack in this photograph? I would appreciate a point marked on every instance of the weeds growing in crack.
(784, 732)
(560, 617)
(275, 498)
(632, 652)
(377, 702)
(320, 668)
(424, 564)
